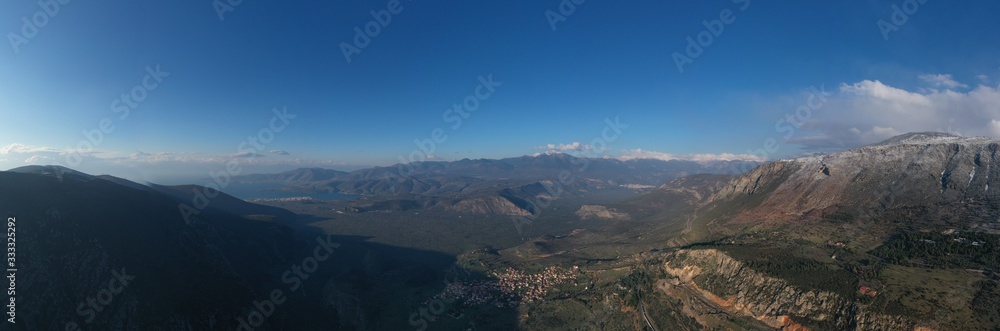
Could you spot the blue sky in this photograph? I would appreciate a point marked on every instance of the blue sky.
(222, 79)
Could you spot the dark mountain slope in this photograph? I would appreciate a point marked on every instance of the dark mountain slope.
(74, 234)
(224, 203)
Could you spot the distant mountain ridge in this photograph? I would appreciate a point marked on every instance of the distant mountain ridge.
(182, 193)
(510, 186)
(441, 178)
(925, 138)
(51, 170)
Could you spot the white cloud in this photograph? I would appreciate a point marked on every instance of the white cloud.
(640, 153)
(278, 152)
(38, 154)
(870, 111)
(16, 148)
(243, 155)
(880, 133)
(984, 79)
(995, 127)
(874, 91)
(39, 159)
(941, 80)
(575, 148)
(647, 154)
(151, 158)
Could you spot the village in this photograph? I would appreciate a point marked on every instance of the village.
(508, 288)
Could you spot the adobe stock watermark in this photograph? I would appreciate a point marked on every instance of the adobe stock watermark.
(555, 190)
(432, 310)
(122, 105)
(225, 6)
(30, 27)
(293, 277)
(697, 45)
(89, 308)
(790, 123)
(565, 9)
(251, 147)
(363, 36)
(899, 17)
(456, 115)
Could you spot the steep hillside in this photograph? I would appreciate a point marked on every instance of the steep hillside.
(100, 252)
(915, 181)
(923, 202)
(75, 232)
(224, 203)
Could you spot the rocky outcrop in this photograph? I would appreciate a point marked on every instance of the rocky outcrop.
(919, 169)
(594, 211)
(495, 205)
(767, 175)
(738, 289)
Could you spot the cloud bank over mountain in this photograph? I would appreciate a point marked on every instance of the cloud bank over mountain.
(870, 111)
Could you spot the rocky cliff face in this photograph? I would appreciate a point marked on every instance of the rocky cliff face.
(738, 289)
(919, 169)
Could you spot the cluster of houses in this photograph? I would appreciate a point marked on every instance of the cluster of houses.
(865, 290)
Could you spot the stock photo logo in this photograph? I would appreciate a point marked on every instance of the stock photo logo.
(713, 29)
(363, 36)
(32, 26)
(900, 16)
(252, 146)
(88, 309)
(456, 115)
(562, 12)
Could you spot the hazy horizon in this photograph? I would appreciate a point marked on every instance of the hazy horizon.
(177, 90)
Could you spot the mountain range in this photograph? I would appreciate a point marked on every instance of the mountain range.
(506, 186)
(902, 234)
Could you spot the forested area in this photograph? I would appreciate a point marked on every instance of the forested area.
(936, 250)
